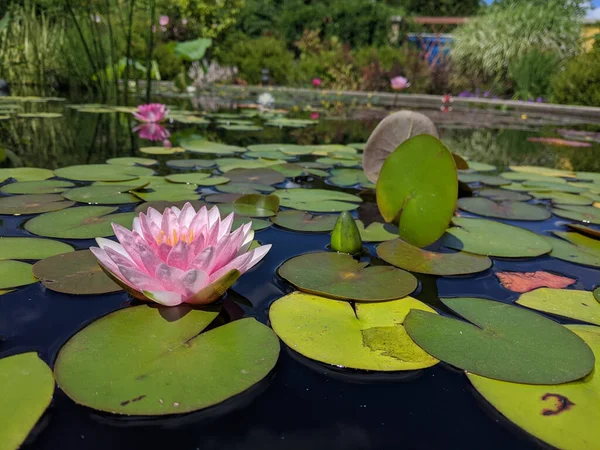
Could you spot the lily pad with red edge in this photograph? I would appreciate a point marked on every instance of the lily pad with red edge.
(339, 276)
(101, 195)
(586, 214)
(408, 257)
(102, 172)
(160, 206)
(96, 367)
(26, 174)
(132, 161)
(317, 200)
(31, 248)
(461, 163)
(490, 238)
(304, 221)
(503, 210)
(563, 198)
(500, 195)
(74, 273)
(417, 188)
(32, 204)
(522, 282)
(26, 389)
(37, 187)
(488, 180)
(588, 231)
(191, 163)
(569, 303)
(370, 336)
(84, 222)
(15, 273)
(566, 251)
(501, 341)
(256, 176)
(377, 232)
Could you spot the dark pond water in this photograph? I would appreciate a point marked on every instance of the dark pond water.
(302, 404)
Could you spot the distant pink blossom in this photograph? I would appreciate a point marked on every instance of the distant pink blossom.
(153, 132)
(163, 21)
(399, 83)
(151, 113)
(314, 115)
(316, 82)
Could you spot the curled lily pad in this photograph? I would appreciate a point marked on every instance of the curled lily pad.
(161, 150)
(500, 195)
(37, 187)
(338, 275)
(499, 342)
(84, 222)
(563, 198)
(260, 176)
(96, 367)
(418, 188)
(586, 214)
(191, 163)
(377, 232)
(132, 161)
(26, 388)
(101, 195)
(570, 303)
(579, 240)
(244, 188)
(303, 221)
(522, 282)
(588, 231)
(14, 274)
(483, 179)
(408, 257)
(562, 415)
(196, 145)
(489, 238)
(32, 204)
(369, 337)
(317, 200)
(74, 273)
(461, 163)
(578, 254)
(26, 174)
(503, 210)
(102, 172)
(31, 248)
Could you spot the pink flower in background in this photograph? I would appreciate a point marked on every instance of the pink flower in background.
(399, 83)
(163, 21)
(153, 132)
(316, 82)
(314, 115)
(180, 256)
(151, 113)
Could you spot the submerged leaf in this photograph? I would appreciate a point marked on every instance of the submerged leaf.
(528, 281)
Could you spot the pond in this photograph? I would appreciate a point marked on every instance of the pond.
(301, 402)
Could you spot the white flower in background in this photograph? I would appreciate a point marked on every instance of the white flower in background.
(266, 100)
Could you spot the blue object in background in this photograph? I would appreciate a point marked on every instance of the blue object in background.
(434, 46)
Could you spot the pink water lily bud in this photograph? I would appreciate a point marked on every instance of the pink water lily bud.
(399, 83)
(151, 113)
(179, 256)
(316, 82)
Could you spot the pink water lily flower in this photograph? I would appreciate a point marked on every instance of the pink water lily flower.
(316, 82)
(179, 256)
(151, 113)
(163, 21)
(399, 83)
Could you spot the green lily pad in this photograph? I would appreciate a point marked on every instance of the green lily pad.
(244, 188)
(349, 177)
(338, 275)
(288, 149)
(40, 115)
(74, 273)
(26, 388)
(480, 167)
(489, 238)
(499, 342)
(339, 162)
(84, 222)
(579, 240)
(160, 206)
(174, 193)
(503, 210)
(261, 176)
(289, 170)
(594, 197)
(552, 187)
(289, 123)
(531, 177)
(228, 164)
(377, 232)
(303, 221)
(101, 195)
(500, 195)
(573, 253)
(37, 187)
(196, 145)
(586, 214)
(132, 161)
(317, 200)
(257, 205)
(408, 257)
(270, 155)
(563, 198)
(257, 224)
(235, 127)
(15, 273)
(191, 163)
(26, 174)
(32, 204)
(545, 171)
(31, 248)
(189, 119)
(588, 231)
(187, 178)
(102, 172)
(369, 337)
(97, 368)
(418, 188)
(570, 303)
(488, 180)
(222, 198)
(161, 150)
(358, 145)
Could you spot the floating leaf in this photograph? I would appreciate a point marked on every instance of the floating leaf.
(102, 172)
(14, 274)
(408, 257)
(531, 177)
(418, 188)
(502, 342)
(317, 200)
(31, 248)
(26, 174)
(26, 388)
(173, 193)
(74, 273)
(161, 150)
(160, 206)
(542, 186)
(132, 161)
(203, 146)
(377, 232)
(227, 164)
(288, 149)
(489, 238)
(481, 167)
(573, 253)
(338, 275)
(372, 337)
(563, 198)
(260, 176)
(37, 187)
(503, 210)
(97, 368)
(500, 195)
(349, 177)
(257, 224)
(586, 214)
(483, 179)
(101, 195)
(289, 170)
(544, 171)
(339, 162)
(189, 119)
(84, 222)
(588, 231)
(222, 198)
(187, 178)
(240, 127)
(257, 205)
(244, 188)
(191, 163)
(303, 221)
(32, 204)
(570, 303)
(528, 281)
(40, 115)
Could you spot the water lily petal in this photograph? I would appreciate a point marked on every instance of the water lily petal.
(104, 243)
(204, 260)
(148, 255)
(248, 233)
(127, 239)
(225, 226)
(214, 217)
(178, 256)
(193, 281)
(169, 277)
(109, 264)
(166, 298)
(187, 214)
(140, 281)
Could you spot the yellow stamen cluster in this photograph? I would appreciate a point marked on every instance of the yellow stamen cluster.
(173, 240)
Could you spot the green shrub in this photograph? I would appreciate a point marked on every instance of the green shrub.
(579, 82)
(169, 64)
(531, 74)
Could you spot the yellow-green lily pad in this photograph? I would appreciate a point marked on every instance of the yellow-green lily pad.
(37, 187)
(570, 303)
(586, 214)
(15, 273)
(317, 200)
(31, 248)
(102, 172)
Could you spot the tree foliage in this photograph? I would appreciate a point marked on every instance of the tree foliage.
(456, 8)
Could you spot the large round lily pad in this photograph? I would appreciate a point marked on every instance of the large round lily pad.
(31, 248)
(101, 195)
(26, 174)
(546, 171)
(74, 273)
(303, 221)
(525, 176)
(244, 188)
(586, 214)
(486, 237)
(317, 200)
(349, 177)
(389, 134)
(563, 198)
(15, 273)
(160, 206)
(132, 161)
(481, 167)
(191, 164)
(37, 187)
(488, 180)
(175, 368)
(418, 188)
(579, 254)
(565, 415)
(408, 257)
(588, 231)
(502, 195)
(259, 176)
(102, 172)
(203, 146)
(32, 204)
(199, 179)
(570, 303)
(372, 337)
(503, 210)
(502, 341)
(172, 193)
(26, 389)
(228, 164)
(85, 222)
(338, 275)
(377, 232)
